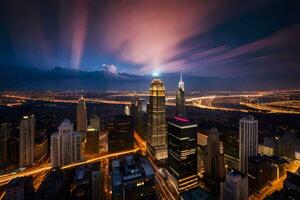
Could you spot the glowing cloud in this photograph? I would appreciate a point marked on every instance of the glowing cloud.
(149, 33)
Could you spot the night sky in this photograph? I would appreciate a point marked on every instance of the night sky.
(202, 37)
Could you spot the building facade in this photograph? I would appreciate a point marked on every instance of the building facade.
(156, 126)
(92, 145)
(182, 154)
(235, 187)
(214, 166)
(5, 137)
(26, 141)
(248, 141)
(20, 188)
(141, 118)
(120, 134)
(81, 116)
(95, 123)
(65, 145)
(261, 171)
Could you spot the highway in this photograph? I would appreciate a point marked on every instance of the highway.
(193, 101)
(91, 100)
(268, 108)
(4, 179)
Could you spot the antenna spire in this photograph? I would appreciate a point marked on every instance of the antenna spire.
(181, 83)
(81, 94)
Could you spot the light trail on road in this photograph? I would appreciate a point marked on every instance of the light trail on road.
(194, 101)
(29, 172)
(100, 158)
(277, 184)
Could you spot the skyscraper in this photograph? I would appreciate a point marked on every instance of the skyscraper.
(26, 143)
(65, 145)
(141, 118)
(120, 134)
(248, 141)
(5, 134)
(81, 116)
(156, 127)
(215, 158)
(182, 154)
(95, 123)
(180, 100)
(235, 187)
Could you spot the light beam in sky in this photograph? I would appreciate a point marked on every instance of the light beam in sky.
(80, 17)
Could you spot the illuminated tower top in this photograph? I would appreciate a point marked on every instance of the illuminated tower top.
(157, 88)
(81, 101)
(181, 83)
(180, 100)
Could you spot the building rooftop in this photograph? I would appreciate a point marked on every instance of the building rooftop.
(181, 122)
(19, 181)
(257, 159)
(197, 194)
(276, 159)
(235, 173)
(129, 168)
(248, 118)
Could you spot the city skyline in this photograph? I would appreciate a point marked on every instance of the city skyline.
(149, 99)
(114, 157)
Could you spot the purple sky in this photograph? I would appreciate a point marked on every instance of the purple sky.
(205, 38)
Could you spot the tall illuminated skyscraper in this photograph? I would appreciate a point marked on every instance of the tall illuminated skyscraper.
(156, 132)
(248, 141)
(5, 137)
(180, 100)
(65, 145)
(182, 154)
(26, 143)
(81, 116)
